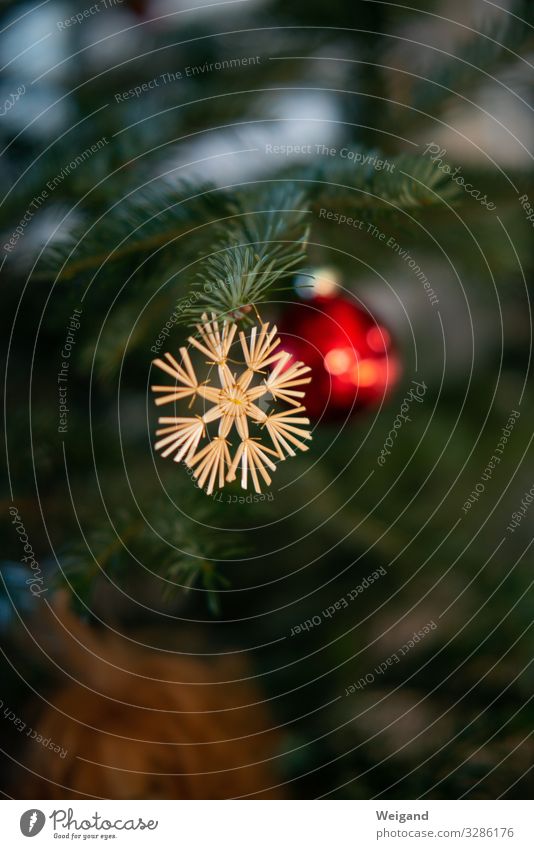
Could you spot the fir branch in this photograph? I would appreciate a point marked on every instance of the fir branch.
(173, 551)
(140, 223)
(261, 249)
(266, 238)
(407, 183)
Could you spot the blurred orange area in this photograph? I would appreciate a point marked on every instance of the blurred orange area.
(138, 723)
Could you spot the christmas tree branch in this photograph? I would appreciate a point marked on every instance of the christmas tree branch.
(172, 552)
(140, 223)
(264, 233)
(261, 248)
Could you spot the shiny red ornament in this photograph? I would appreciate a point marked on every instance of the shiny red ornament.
(353, 358)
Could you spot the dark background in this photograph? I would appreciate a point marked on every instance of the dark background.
(155, 575)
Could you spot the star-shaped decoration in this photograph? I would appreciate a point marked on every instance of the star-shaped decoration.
(262, 371)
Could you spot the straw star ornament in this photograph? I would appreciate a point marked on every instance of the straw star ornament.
(263, 372)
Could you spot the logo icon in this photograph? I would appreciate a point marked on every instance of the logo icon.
(32, 822)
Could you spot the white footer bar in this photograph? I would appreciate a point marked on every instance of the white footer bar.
(269, 824)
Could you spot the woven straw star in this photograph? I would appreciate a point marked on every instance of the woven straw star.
(233, 406)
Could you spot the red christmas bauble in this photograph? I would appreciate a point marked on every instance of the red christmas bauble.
(353, 359)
